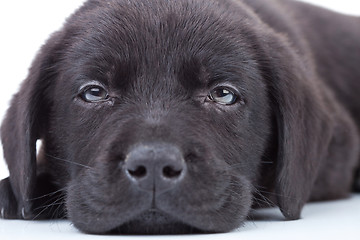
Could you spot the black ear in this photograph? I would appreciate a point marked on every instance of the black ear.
(304, 123)
(24, 123)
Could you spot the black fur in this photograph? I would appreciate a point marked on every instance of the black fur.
(291, 136)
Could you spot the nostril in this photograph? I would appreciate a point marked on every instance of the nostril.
(139, 172)
(170, 172)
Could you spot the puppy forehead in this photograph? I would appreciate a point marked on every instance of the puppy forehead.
(156, 39)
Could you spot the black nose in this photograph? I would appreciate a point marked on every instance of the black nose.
(155, 167)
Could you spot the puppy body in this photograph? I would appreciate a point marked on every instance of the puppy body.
(328, 43)
(162, 71)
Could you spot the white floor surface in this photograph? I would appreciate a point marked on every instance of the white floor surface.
(322, 221)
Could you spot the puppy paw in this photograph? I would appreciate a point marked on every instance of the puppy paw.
(8, 203)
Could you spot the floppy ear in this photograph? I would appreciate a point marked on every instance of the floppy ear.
(24, 123)
(303, 121)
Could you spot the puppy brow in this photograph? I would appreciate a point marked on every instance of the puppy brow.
(193, 74)
(93, 69)
(223, 76)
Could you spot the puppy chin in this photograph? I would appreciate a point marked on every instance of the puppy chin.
(154, 221)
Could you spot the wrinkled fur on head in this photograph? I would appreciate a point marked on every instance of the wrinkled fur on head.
(159, 60)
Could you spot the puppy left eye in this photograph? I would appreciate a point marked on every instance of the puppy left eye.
(223, 95)
(94, 94)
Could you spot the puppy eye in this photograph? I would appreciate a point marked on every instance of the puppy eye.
(94, 94)
(223, 95)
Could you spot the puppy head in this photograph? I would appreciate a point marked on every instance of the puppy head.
(163, 114)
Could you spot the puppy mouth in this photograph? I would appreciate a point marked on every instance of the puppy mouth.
(154, 221)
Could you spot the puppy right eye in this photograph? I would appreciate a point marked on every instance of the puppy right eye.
(94, 94)
(223, 96)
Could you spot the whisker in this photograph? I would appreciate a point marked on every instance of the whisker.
(59, 212)
(58, 202)
(64, 160)
(267, 162)
(53, 199)
(239, 165)
(276, 194)
(47, 195)
(263, 199)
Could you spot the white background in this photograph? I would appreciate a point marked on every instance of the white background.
(26, 24)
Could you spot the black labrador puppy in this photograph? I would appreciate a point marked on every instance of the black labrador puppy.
(163, 116)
